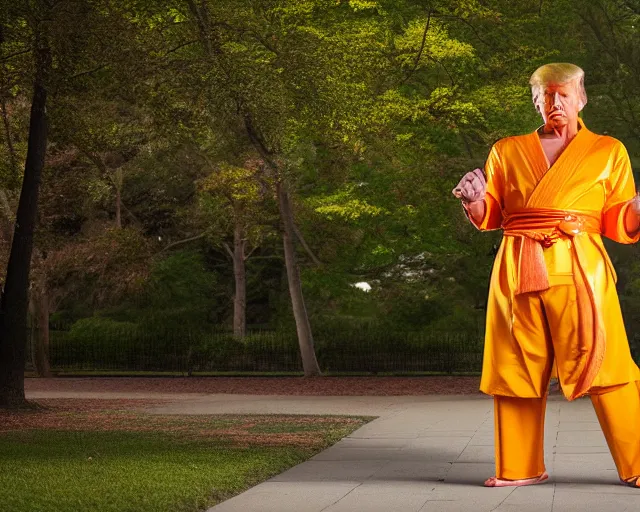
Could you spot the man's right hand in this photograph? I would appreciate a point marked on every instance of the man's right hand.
(472, 187)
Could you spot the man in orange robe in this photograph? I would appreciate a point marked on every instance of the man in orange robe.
(552, 295)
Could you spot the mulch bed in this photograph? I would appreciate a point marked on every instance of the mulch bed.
(80, 414)
(96, 415)
(319, 386)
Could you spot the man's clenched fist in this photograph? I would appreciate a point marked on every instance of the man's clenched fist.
(472, 187)
(635, 204)
(632, 217)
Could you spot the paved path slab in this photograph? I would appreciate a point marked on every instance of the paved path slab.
(424, 454)
(428, 454)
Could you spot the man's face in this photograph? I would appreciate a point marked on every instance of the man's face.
(559, 104)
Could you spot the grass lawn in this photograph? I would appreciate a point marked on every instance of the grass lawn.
(84, 456)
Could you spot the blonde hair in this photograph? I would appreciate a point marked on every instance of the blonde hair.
(560, 73)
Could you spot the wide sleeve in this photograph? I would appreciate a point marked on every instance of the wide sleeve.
(621, 190)
(494, 173)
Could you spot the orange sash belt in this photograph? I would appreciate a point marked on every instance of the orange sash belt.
(539, 228)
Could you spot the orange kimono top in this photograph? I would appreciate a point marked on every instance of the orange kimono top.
(553, 218)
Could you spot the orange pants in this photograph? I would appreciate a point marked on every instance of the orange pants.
(519, 431)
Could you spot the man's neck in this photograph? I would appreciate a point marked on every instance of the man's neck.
(564, 133)
(554, 141)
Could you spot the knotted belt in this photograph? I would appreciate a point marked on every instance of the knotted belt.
(539, 228)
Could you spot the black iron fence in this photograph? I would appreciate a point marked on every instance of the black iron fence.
(193, 350)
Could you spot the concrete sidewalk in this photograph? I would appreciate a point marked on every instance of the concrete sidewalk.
(427, 454)
(430, 454)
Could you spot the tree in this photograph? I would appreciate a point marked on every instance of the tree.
(14, 301)
(235, 199)
(239, 91)
(60, 32)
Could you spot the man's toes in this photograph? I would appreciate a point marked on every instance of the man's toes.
(490, 482)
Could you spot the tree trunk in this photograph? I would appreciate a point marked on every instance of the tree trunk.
(14, 303)
(211, 45)
(39, 311)
(303, 326)
(240, 275)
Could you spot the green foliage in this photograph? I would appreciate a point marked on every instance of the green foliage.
(368, 111)
(343, 205)
(99, 270)
(178, 295)
(97, 327)
(180, 281)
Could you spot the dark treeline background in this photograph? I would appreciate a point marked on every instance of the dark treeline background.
(187, 139)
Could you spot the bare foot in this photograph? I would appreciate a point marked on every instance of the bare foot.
(499, 482)
(634, 481)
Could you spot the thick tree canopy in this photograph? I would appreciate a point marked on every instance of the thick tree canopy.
(182, 132)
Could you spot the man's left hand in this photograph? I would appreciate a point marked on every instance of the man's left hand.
(632, 217)
(635, 205)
